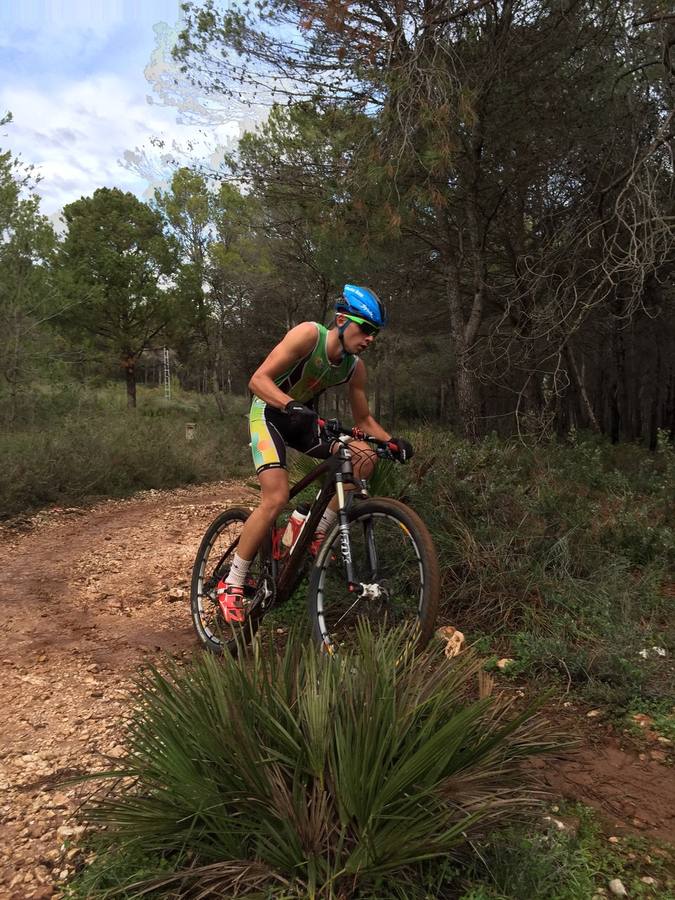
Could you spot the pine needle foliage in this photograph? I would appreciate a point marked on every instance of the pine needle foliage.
(304, 775)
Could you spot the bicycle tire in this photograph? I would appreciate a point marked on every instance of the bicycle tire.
(407, 543)
(213, 632)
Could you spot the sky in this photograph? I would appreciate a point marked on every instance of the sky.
(80, 79)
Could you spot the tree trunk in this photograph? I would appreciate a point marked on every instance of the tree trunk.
(656, 401)
(217, 393)
(392, 402)
(129, 363)
(534, 402)
(220, 403)
(582, 393)
(466, 385)
(614, 414)
(468, 401)
(618, 390)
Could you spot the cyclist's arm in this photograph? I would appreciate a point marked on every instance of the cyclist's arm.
(359, 403)
(298, 343)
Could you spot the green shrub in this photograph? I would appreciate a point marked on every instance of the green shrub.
(539, 861)
(109, 867)
(319, 776)
(111, 451)
(560, 554)
(557, 555)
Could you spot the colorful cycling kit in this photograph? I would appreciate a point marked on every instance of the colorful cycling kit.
(305, 381)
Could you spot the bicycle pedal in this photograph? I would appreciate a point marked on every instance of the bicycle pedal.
(263, 596)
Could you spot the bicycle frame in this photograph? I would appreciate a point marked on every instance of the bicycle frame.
(337, 470)
(387, 587)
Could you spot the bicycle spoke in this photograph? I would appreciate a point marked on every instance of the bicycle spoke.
(345, 614)
(387, 561)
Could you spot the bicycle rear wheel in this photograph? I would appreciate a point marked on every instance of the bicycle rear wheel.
(394, 555)
(211, 566)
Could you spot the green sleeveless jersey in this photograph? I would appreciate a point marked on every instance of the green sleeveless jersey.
(309, 377)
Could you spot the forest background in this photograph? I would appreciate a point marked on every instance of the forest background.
(501, 173)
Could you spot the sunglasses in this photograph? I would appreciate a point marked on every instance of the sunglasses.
(365, 326)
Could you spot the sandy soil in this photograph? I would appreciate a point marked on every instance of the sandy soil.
(88, 595)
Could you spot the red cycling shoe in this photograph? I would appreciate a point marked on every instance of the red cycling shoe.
(231, 601)
(317, 541)
(315, 546)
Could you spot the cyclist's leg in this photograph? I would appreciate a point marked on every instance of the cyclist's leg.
(364, 460)
(274, 496)
(275, 431)
(269, 457)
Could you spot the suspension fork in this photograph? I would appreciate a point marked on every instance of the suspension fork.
(344, 503)
(345, 499)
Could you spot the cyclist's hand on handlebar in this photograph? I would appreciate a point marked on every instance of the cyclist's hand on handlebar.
(394, 448)
(301, 415)
(401, 449)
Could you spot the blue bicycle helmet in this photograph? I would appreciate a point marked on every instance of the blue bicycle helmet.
(364, 303)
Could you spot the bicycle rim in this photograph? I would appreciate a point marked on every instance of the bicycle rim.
(386, 554)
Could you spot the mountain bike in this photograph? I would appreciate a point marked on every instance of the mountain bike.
(378, 562)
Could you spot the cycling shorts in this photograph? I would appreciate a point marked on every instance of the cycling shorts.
(271, 433)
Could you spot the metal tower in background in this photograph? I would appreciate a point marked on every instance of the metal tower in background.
(167, 375)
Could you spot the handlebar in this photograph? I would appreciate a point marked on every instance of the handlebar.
(332, 430)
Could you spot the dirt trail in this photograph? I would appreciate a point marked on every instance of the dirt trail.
(89, 595)
(632, 792)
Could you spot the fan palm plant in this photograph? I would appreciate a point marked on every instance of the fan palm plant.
(311, 776)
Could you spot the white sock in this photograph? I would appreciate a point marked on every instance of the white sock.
(238, 570)
(328, 519)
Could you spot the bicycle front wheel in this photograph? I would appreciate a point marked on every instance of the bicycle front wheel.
(395, 561)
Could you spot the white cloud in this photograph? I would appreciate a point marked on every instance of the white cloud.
(77, 135)
(98, 16)
(71, 74)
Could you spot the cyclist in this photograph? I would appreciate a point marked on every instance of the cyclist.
(309, 359)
